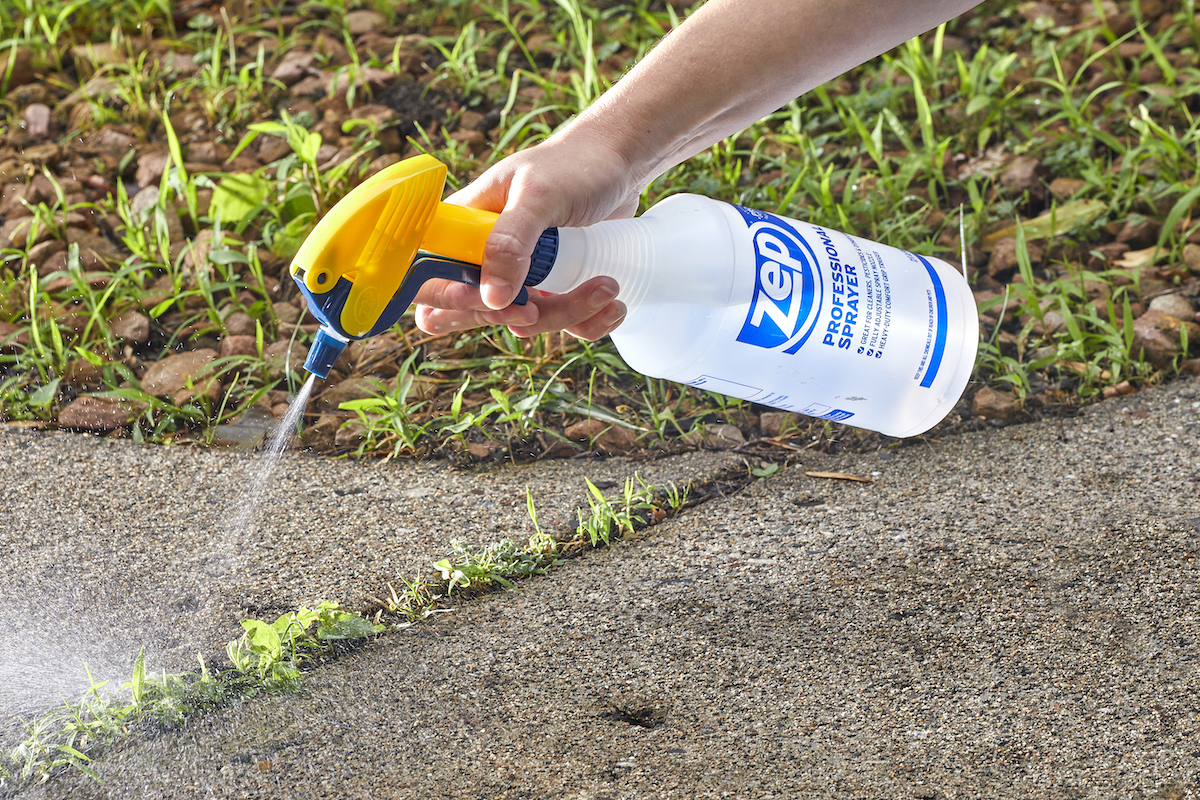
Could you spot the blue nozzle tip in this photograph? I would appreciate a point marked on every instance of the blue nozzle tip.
(324, 352)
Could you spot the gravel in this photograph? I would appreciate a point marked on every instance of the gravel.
(1007, 613)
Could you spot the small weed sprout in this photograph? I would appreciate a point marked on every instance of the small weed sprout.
(677, 498)
(622, 517)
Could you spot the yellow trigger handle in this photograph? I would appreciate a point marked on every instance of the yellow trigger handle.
(372, 236)
(458, 232)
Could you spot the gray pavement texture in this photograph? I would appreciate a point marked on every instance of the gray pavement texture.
(1006, 613)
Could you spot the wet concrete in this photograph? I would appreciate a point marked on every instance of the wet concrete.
(1010, 613)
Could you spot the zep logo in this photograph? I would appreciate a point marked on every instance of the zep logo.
(787, 287)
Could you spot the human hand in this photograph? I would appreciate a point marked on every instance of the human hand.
(564, 181)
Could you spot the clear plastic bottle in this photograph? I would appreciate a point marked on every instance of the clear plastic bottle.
(781, 312)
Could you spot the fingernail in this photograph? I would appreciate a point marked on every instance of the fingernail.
(602, 296)
(497, 295)
(528, 314)
(620, 318)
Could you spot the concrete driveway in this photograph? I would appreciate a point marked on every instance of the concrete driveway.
(1007, 613)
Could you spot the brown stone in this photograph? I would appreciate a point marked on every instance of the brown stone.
(296, 66)
(377, 355)
(331, 46)
(55, 262)
(1156, 336)
(239, 345)
(143, 203)
(602, 436)
(39, 122)
(1038, 12)
(331, 398)
(379, 114)
(375, 78)
(272, 148)
(41, 253)
(1139, 233)
(377, 43)
(1062, 188)
(11, 335)
(41, 154)
(114, 142)
(150, 168)
(286, 312)
(1122, 388)
(14, 199)
(322, 434)
(484, 450)
(182, 64)
(15, 233)
(1003, 259)
(20, 62)
(98, 54)
(197, 253)
(1107, 254)
(79, 115)
(1120, 22)
(1173, 305)
(363, 21)
(382, 162)
(239, 323)
(339, 155)
(779, 423)
(94, 249)
(475, 142)
(277, 357)
(1191, 257)
(1022, 174)
(131, 326)
(470, 120)
(991, 403)
(84, 376)
(207, 388)
(93, 280)
(169, 377)
(349, 435)
(312, 86)
(99, 413)
(715, 436)
(98, 88)
(1150, 74)
(209, 152)
(408, 60)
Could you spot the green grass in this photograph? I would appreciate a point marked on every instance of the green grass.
(890, 152)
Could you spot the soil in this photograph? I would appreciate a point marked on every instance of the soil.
(74, 128)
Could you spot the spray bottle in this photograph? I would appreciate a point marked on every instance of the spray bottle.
(728, 299)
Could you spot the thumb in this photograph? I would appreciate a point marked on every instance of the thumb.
(510, 244)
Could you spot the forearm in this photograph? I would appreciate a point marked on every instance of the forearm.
(735, 61)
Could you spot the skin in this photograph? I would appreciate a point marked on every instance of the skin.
(596, 167)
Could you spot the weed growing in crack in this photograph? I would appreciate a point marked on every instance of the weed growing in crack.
(618, 517)
(469, 567)
(267, 658)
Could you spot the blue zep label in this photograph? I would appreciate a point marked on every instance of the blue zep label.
(788, 287)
